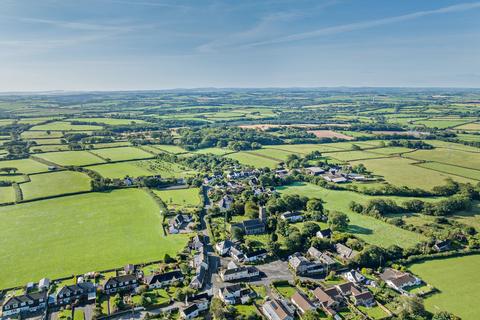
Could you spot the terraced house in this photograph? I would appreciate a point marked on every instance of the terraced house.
(120, 283)
(85, 291)
(24, 304)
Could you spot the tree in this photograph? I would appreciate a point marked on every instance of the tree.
(216, 309)
(251, 209)
(444, 315)
(410, 307)
(117, 302)
(311, 315)
(338, 221)
(315, 206)
(294, 241)
(237, 233)
(310, 229)
(273, 248)
(9, 170)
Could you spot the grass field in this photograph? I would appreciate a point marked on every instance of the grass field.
(354, 155)
(26, 166)
(49, 148)
(122, 153)
(368, 228)
(55, 183)
(440, 124)
(471, 217)
(140, 168)
(169, 148)
(71, 158)
(180, 198)
(450, 169)
(453, 157)
(402, 172)
(215, 151)
(457, 279)
(303, 148)
(250, 159)
(109, 121)
(469, 127)
(82, 233)
(7, 194)
(64, 126)
(40, 135)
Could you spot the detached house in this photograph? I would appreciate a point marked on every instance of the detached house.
(302, 266)
(24, 304)
(194, 309)
(257, 255)
(329, 299)
(277, 310)
(126, 282)
(324, 234)
(291, 216)
(165, 279)
(85, 291)
(345, 252)
(235, 294)
(223, 247)
(302, 302)
(323, 257)
(399, 279)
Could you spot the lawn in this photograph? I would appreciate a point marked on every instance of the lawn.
(25, 166)
(71, 158)
(81, 233)
(286, 290)
(78, 314)
(454, 157)
(180, 198)
(122, 153)
(55, 183)
(401, 172)
(251, 159)
(373, 312)
(457, 279)
(368, 228)
(7, 194)
(64, 126)
(140, 168)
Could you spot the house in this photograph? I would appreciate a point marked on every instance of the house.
(277, 310)
(442, 245)
(84, 291)
(354, 276)
(197, 242)
(181, 220)
(237, 254)
(398, 279)
(257, 255)
(164, 279)
(302, 266)
(302, 302)
(253, 226)
(324, 234)
(43, 284)
(345, 252)
(291, 216)
(345, 289)
(235, 294)
(239, 273)
(223, 247)
(24, 304)
(201, 259)
(225, 203)
(126, 282)
(314, 171)
(363, 298)
(322, 257)
(199, 278)
(328, 298)
(193, 310)
(281, 172)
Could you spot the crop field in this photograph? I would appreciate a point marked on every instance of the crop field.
(55, 183)
(457, 279)
(454, 157)
(250, 159)
(122, 153)
(25, 166)
(139, 168)
(82, 233)
(180, 198)
(71, 158)
(108, 121)
(7, 194)
(64, 126)
(402, 172)
(368, 228)
(330, 134)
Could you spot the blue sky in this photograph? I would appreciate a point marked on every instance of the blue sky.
(157, 44)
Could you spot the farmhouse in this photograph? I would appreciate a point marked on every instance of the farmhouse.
(291, 216)
(163, 279)
(442, 245)
(85, 291)
(301, 302)
(239, 273)
(24, 304)
(399, 279)
(126, 282)
(277, 310)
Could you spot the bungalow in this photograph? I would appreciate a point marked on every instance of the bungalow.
(223, 247)
(322, 257)
(328, 298)
(354, 276)
(345, 252)
(324, 234)
(257, 255)
(24, 304)
(193, 310)
(314, 171)
(126, 282)
(399, 279)
(235, 294)
(302, 266)
(164, 279)
(291, 216)
(302, 302)
(277, 310)
(84, 291)
(239, 273)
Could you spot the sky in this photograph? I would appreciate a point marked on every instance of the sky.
(164, 44)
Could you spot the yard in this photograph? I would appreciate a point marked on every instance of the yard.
(457, 280)
(375, 312)
(55, 183)
(82, 233)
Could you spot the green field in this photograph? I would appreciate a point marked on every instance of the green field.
(7, 194)
(169, 148)
(304, 149)
(401, 172)
(49, 148)
(440, 124)
(109, 121)
(82, 233)
(471, 217)
(454, 157)
(26, 166)
(368, 228)
(450, 169)
(457, 280)
(64, 126)
(55, 183)
(122, 153)
(215, 151)
(180, 198)
(139, 168)
(354, 155)
(254, 160)
(469, 127)
(71, 158)
(40, 135)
